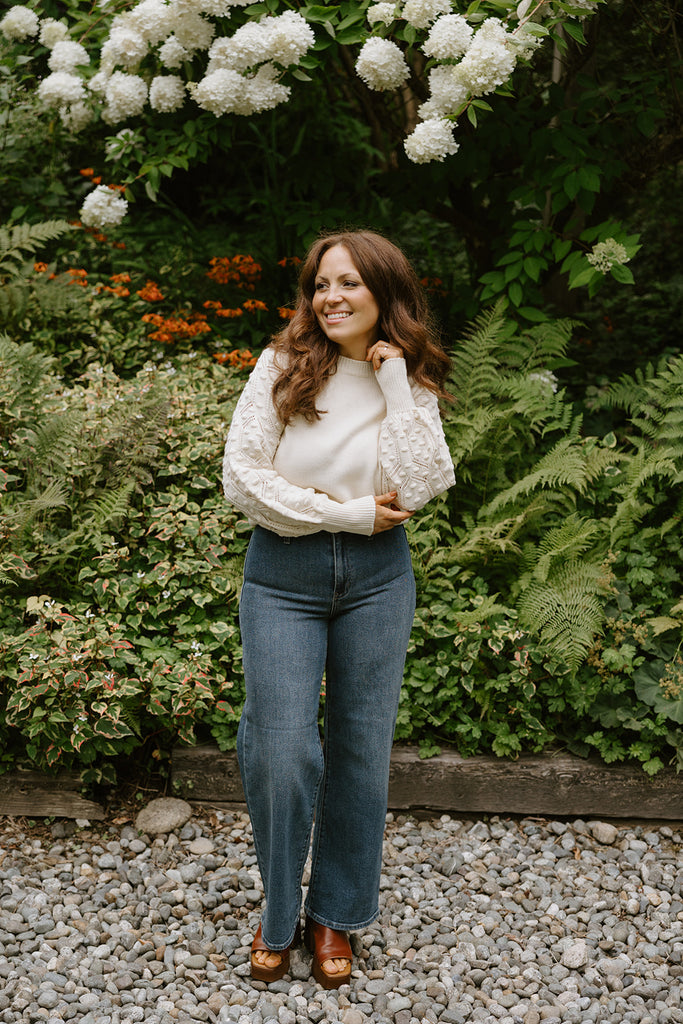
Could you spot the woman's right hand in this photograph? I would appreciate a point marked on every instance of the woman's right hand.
(387, 516)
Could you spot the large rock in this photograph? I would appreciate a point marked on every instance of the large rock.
(163, 815)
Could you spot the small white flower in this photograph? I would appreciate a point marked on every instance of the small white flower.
(220, 92)
(89, 614)
(51, 32)
(33, 656)
(61, 88)
(103, 208)
(125, 96)
(607, 254)
(383, 12)
(421, 13)
(67, 55)
(431, 140)
(449, 38)
(489, 61)
(140, 575)
(19, 23)
(381, 64)
(289, 37)
(166, 93)
(165, 593)
(172, 53)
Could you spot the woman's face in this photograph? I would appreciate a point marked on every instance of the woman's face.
(345, 308)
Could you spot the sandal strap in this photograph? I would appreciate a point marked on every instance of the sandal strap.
(259, 944)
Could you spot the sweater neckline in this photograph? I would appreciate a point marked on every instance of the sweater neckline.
(354, 367)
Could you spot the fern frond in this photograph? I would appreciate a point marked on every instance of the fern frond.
(564, 465)
(566, 611)
(474, 363)
(17, 241)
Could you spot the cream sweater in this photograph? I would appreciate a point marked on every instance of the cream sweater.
(379, 432)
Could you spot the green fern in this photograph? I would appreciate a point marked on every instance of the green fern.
(20, 239)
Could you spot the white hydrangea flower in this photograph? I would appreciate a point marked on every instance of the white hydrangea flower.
(51, 32)
(103, 208)
(383, 12)
(67, 55)
(125, 96)
(264, 91)
(215, 8)
(607, 254)
(166, 93)
(431, 140)
(60, 89)
(98, 82)
(19, 23)
(381, 64)
(449, 37)
(150, 19)
(172, 53)
(289, 37)
(221, 92)
(244, 49)
(124, 48)
(76, 116)
(193, 32)
(447, 93)
(421, 13)
(489, 61)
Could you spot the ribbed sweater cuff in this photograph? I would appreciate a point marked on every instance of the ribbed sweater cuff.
(392, 377)
(354, 516)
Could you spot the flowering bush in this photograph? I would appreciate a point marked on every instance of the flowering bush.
(232, 60)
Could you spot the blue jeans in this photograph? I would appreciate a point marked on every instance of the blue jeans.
(343, 605)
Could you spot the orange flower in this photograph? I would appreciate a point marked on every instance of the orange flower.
(212, 304)
(120, 278)
(252, 305)
(40, 268)
(87, 172)
(229, 312)
(285, 313)
(150, 293)
(241, 359)
(288, 261)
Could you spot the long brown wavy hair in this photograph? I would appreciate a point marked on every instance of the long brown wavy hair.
(405, 320)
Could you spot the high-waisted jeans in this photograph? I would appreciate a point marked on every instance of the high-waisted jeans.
(341, 605)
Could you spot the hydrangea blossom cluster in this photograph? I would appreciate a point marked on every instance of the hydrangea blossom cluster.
(19, 23)
(431, 140)
(383, 13)
(103, 208)
(607, 254)
(421, 13)
(381, 64)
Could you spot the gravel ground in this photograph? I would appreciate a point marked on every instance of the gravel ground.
(500, 920)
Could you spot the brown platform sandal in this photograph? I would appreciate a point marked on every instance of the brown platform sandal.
(260, 972)
(327, 944)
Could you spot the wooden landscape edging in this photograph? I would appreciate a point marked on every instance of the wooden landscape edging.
(33, 795)
(559, 785)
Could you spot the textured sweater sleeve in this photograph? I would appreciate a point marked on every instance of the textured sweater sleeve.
(413, 454)
(252, 484)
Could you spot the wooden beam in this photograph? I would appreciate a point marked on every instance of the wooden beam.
(555, 785)
(33, 795)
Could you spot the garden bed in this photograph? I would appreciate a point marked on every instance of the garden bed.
(549, 784)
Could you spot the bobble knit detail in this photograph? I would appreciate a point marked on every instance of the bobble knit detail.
(408, 452)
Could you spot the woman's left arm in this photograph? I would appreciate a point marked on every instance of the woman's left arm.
(413, 454)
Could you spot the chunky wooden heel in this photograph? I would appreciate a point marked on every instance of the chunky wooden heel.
(260, 972)
(327, 944)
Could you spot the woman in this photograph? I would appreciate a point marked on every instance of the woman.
(335, 442)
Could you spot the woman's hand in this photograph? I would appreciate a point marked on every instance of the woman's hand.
(380, 351)
(387, 516)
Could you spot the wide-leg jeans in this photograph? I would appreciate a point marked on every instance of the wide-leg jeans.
(341, 605)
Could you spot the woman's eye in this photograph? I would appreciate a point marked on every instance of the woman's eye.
(351, 284)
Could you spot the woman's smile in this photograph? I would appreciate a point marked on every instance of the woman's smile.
(344, 306)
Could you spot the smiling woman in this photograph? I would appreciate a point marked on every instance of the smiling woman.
(335, 443)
